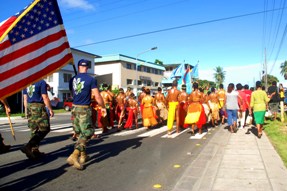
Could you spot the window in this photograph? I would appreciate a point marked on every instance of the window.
(148, 69)
(129, 66)
(89, 64)
(139, 68)
(129, 81)
(66, 96)
(156, 71)
(49, 78)
(139, 82)
(67, 77)
(148, 83)
(156, 84)
(145, 68)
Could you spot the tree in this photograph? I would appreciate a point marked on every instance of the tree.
(205, 83)
(219, 75)
(158, 62)
(270, 79)
(283, 70)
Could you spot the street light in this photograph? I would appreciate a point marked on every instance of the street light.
(137, 64)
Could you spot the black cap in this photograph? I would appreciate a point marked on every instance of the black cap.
(83, 62)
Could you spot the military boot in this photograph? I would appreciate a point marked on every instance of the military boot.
(84, 157)
(73, 160)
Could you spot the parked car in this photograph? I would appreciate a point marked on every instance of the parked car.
(68, 104)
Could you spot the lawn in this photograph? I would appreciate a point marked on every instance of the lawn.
(3, 114)
(277, 134)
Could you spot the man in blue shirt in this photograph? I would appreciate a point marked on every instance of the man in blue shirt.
(83, 88)
(35, 100)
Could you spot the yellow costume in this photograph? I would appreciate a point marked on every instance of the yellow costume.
(171, 114)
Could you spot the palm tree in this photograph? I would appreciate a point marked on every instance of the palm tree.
(219, 75)
(283, 70)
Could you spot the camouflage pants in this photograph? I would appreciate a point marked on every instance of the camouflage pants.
(38, 122)
(82, 125)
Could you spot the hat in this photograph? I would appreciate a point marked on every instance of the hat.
(258, 84)
(183, 86)
(83, 62)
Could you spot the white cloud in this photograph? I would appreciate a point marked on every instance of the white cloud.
(82, 4)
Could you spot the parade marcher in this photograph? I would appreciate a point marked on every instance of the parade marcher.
(4, 148)
(231, 104)
(112, 106)
(148, 113)
(248, 93)
(243, 105)
(275, 99)
(160, 103)
(172, 99)
(214, 106)
(140, 97)
(221, 96)
(132, 109)
(182, 107)
(128, 92)
(282, 96)
(84, 88)
(259, 100)
(195, 112)
(205, 104)
(120, 108)
(35, 100)
(104, 119)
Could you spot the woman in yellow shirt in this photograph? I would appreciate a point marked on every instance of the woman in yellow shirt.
(259, 100)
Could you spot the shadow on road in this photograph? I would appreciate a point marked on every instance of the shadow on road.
(32, 181)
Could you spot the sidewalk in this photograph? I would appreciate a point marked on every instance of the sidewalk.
(235, 161)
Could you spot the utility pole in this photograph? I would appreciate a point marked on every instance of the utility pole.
(265, 65)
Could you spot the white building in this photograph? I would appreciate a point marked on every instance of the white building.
(120, 71)
(59, 81)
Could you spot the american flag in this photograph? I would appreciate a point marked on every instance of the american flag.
(33, 45)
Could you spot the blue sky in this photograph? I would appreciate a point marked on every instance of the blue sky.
(237, 44)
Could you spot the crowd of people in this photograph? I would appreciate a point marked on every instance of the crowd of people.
(95, 107)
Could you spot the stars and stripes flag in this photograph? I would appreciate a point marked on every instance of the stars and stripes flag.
(33, 45)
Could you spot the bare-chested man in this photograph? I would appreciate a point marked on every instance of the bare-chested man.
(182, 107)
(128, 92)
(221, 96)
(195, 112)
(172, 99)
(120, 108)
(104, 118)
(132, 108)
(141, 96)
(213, 103)
(160, 103)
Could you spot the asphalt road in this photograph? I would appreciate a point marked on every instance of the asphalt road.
(130, 160)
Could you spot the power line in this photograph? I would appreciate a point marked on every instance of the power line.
(180, 27)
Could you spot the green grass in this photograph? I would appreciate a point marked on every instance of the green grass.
(277, 134)
(2, 114)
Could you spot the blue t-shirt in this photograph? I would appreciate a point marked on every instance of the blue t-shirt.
(81, 86)
(34, 92)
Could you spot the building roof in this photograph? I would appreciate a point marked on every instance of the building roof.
(121, 57)
(84, 52)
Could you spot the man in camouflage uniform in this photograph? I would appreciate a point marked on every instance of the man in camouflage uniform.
(84, 88)
(35, 100)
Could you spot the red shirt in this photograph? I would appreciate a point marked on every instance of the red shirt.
(248, 95)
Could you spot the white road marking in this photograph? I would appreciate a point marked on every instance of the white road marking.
(174, 134)
(129, 132)
(198, 136)
(154, 132)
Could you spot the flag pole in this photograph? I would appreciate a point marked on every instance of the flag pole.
(11, 127)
